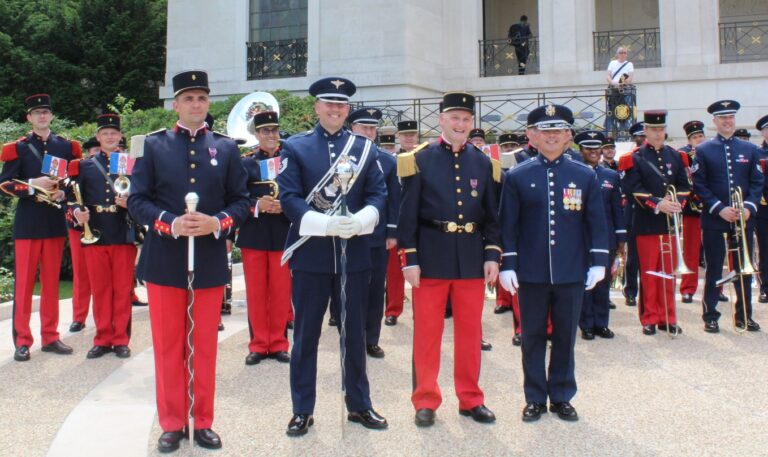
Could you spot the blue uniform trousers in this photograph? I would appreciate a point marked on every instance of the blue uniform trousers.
(564, 303)
(762, 243)
(714, 252)
(375, 311)
(311, 293)
(594, 310)
(632, 267)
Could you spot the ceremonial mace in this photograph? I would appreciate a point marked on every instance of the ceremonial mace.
(191, 199)
(344, 174)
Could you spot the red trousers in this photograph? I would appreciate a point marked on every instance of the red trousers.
(268, 295)
(653, 288)
(429, 300)
(168, 314)
(691, 253)
(504, 298)
(110, 269)
(81, 284)
(29, 253)
(395, 285)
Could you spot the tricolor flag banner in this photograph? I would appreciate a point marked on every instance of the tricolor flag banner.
(121, 163)
(270, 168)
(492, 151)
(54, 167)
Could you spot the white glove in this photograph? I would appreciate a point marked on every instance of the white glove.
(350, 227)
(594, 276)
(333, 228)
(508, 280)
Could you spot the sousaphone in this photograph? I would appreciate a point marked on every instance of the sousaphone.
(239, 125)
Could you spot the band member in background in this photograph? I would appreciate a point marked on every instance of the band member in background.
(508, 142)
(742, 134)
(648, 174)
(408, 134)
(595, 309)
(111, 259)
(211, 169)
(762, 213)
(310, 195)
(556, 246)
(723, 164)
(477, 137)
(631, 266)
(449, 239)
(39, 228)
(262, 239)
(608, 151)
(694, 130)
(388, 143)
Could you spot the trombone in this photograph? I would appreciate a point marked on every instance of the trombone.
(674, 229)
(88, 236)
(739, 247)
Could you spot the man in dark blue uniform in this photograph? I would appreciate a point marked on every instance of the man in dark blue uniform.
(594, 311)
(694, 131)
(365, 122)
(477, 137)
(647, 175)
(556, 244)
(722, 165)
(631, 267)
(188, 158)
(762, 213)
(39, 227)
(327, 255)
(608, 151)
(109, 260)
(449, 237)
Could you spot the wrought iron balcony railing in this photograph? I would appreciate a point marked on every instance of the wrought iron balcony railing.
(498, 58)
(277, 59)
(643, 46)
(743, 41)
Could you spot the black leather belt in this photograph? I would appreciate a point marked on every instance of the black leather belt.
(452, 227)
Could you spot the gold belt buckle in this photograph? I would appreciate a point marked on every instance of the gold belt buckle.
(451, 227)
(99, 209)
(469, 227)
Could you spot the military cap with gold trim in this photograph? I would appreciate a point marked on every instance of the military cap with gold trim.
(407, 126)
(263, 119)
(743, 134)
(190, 79)
(590, 139)
(386, 139)
(551, 117)
(655, 118)
(637, 129)
(38, 101)
(366, 115)
(108, 121)
(333, 89)
(724, 108)
(508, 138)
(477, 133)
(609, 141)
(692, 127)
(458, 100)
(762, 123)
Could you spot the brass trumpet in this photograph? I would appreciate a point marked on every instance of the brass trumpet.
(42, 195)
(740, 250)
(88, 236)
(122, 185)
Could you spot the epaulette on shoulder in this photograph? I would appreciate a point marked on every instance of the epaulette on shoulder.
(685, 159)
(626, 162)
(77, 149)
(73, 168)
(496, 169)
(9, 152)
(223, 135)
(406, 161)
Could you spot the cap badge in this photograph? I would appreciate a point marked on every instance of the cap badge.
(464, 99)
(39, 100)
(337, 83)
(194, 77)
(550, 111)
(371, 112)
(592, 134)
(725, 104)
(572, 185)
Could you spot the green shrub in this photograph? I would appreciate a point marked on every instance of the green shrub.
(6, 284)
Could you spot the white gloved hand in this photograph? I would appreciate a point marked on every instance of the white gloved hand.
(594, 276)
(350, 227)
(508, 280)
(333, 228)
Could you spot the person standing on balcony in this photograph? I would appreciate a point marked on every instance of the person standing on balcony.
(620, 77)
(518, 37)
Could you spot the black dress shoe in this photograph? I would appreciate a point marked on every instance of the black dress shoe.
(533, 411)
(480, 414)
(722, 298)
(332, 322)
(564, 411)
(57, 347)
(138, 303)
(425, 417)
(763, 298)
(21, 354)
(290, 325)
(485, 346)
(711, 326)
(390, 320)
(299, 424)
(76, 326)
(649, 329)
(587, 334)
(375, 351)
(207, 438)
(501, 309)
(604, 332)
(448, 313)
(630, 301)
(122, 351)
(368, 419)
(254, 358)
(611, 305)
(687, 298)
(281, 356)
(169, 441)
(673, 329)
(98, 351)
(221, 326)
(752, 326)
(517, 340)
